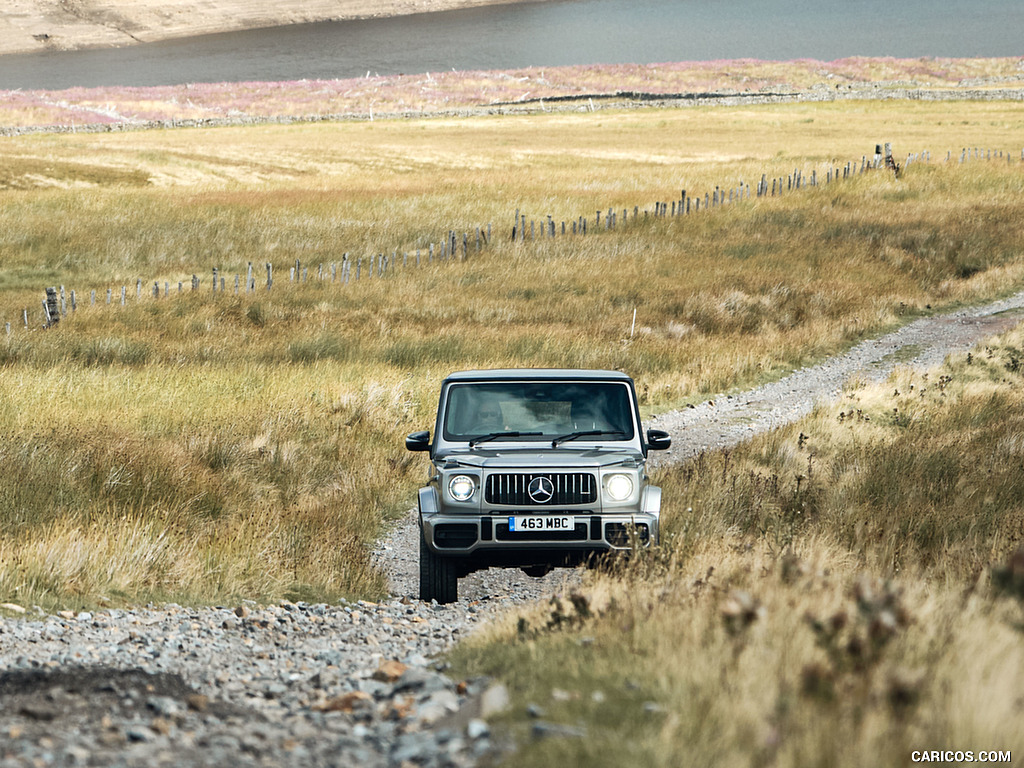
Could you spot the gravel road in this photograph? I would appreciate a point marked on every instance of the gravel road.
(352, 683)
(729, 419)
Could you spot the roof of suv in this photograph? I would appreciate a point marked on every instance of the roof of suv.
(548, 374)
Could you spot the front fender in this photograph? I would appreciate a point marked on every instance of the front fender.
(429, 504)
(650, 504)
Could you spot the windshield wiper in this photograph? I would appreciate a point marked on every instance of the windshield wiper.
(589, 433)
(496, 435)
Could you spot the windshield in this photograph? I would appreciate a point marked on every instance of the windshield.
(538, 410)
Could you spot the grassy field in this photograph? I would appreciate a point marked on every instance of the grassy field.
(202, 448)
(826, 594)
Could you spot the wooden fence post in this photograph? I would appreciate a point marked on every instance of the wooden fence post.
(51, 307)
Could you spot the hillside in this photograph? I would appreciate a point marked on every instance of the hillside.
(35, 25)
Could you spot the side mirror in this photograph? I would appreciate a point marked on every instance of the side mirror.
(658, 440)
(418, 441)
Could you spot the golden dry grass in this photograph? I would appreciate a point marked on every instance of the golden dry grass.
(258, 437)
(205, 448)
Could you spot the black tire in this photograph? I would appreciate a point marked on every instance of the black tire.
(438, 578)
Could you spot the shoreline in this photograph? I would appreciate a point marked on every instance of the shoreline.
(549, 89)
(35, 26)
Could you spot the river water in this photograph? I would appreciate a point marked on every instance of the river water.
(556, 32)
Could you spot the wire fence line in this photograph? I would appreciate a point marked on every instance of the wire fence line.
(59, 303)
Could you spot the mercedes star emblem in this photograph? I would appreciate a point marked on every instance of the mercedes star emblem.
(541, 490)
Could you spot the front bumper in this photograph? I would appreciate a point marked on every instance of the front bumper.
(485, 540)
(585, 527)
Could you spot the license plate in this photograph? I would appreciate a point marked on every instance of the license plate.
(541, 523)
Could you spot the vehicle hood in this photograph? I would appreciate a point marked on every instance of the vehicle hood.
(533, 458)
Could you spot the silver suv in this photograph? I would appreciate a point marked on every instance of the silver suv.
(533, 469)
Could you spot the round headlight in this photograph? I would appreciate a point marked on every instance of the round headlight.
(619, 487)
(461, 487)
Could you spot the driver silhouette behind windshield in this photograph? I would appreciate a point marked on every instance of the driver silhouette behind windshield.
(489, 419)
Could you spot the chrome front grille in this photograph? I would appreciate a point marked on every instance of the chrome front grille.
(567, 488)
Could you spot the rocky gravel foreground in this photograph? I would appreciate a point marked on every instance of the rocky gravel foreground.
(353, 684)
(289, 684)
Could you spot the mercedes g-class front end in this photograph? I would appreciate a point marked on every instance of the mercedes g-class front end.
(533, 469)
